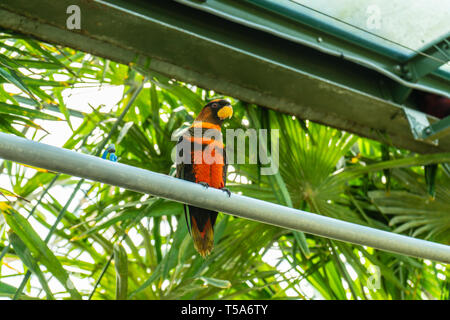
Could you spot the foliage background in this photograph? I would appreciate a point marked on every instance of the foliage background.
(62, 237)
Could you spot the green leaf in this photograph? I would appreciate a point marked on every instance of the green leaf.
(7, 127)
(6, 289)
(6, 108)
(38, 64)
(14, 119)
(39, 249)
(63, 108)
(300, 239)
(430, 179)
(12, 77)
(224, 284)
(48, 55)
(186, 96)
(154, 276)
(11, 194)
(25, 255)
(421, 160)
(121, 266)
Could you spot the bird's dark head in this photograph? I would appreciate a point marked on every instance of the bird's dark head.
(215, 112)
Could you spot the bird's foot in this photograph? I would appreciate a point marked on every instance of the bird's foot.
(204, 184)
(227, 191)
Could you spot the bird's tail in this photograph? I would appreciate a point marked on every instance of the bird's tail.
(203, 237)
(201, 227)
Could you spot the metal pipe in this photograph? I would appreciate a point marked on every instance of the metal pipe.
(94, 168)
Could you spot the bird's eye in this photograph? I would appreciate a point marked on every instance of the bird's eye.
(214, 105)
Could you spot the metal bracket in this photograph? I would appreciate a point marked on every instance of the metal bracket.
(419, 123)
(422, 64)
(426, 61)
(437, 130)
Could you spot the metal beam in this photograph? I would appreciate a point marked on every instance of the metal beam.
(94, 168)
(432, 58)
(422, 64)
(230, 58)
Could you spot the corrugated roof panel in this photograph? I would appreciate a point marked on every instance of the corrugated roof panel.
(406, 24)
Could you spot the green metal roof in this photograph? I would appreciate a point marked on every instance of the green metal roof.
(410, 43)
(277, 54)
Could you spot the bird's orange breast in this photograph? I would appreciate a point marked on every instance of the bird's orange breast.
(208, 163)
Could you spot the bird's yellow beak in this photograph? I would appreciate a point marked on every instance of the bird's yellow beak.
(225, 113)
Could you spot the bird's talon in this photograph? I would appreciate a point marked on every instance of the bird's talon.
(227, 191)
(204, 184)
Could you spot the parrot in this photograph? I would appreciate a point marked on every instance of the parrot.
(204, 163)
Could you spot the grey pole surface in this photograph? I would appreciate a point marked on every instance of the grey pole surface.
(94, 168)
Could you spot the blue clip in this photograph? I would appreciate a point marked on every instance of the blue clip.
(110, 151)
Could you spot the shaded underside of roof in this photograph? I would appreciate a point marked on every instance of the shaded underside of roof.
(285, 55)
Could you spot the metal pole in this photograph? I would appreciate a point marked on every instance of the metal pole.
(94, 168)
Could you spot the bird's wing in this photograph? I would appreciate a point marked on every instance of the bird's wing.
(225, 167)
(179, 164)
